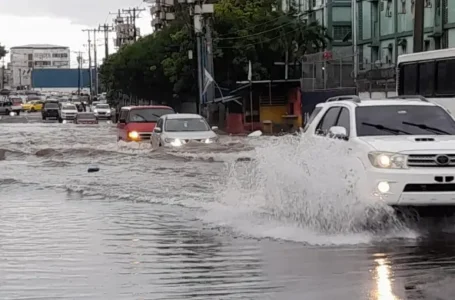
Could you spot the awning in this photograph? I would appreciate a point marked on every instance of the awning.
(227, 99)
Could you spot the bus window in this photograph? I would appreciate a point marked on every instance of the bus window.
(426, 79)
(444, 85)
(408, 79)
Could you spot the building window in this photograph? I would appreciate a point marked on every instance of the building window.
(30, 64)
(340, 32)
(42, 63)
(30, 57)
(59, 63)
(60, 55)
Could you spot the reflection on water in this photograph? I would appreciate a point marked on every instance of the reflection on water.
(383, 281)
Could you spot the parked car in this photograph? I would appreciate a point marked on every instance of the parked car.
(50, 110)
(67, 111)
(176, 130)
(6, 107)
(16, 105)
(102, 111)
(86, 118)
(136, 123)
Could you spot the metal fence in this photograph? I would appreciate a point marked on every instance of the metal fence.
(376, 78)
(327, 70)
(335, 70)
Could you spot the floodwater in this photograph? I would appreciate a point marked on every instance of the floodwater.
(247, 219)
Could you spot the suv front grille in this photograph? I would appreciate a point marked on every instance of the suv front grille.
(430, 160)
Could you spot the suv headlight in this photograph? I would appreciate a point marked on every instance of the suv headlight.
(388, 160)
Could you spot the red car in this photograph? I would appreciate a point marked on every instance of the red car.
(136, 123)
(86, 118)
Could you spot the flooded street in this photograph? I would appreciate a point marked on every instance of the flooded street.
(220, 223)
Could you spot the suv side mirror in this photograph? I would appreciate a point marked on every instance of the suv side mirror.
(214, 127)
(157, 130)
(338, 132)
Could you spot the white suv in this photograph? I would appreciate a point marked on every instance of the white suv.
(406, 145)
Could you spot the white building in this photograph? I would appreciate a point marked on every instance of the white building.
(37, 56)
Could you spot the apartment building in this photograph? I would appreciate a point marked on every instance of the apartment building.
(334, 15)
(386, 29)
(36, 56)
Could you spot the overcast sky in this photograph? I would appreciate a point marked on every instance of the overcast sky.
(61, 22)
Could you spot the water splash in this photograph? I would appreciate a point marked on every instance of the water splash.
(294, 187)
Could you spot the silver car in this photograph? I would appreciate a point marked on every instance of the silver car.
(102, 111)
(67, 111)
(175, 130)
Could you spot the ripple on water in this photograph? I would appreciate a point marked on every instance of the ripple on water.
(64, 249)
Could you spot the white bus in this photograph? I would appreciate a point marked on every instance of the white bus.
(428, 74)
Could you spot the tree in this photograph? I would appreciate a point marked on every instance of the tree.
(158, 66)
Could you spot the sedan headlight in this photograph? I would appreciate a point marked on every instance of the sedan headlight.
(388, 160)
(211, 140)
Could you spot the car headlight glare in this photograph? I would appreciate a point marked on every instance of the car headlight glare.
(211, 140)
(174, 142)
(133, 135)
(387, 160)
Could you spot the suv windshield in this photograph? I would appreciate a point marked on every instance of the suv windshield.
(175, 125)
(51, 105)
(144, 115)
(403, 120)
(102, 106)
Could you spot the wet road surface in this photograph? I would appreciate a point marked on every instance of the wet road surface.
(157, 225)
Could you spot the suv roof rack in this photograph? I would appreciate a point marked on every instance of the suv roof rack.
(353, 98)
(415, 97)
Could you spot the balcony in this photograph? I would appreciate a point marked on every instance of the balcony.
(156, 22)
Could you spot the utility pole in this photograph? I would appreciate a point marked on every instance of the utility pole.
(3, 74)
(200, 9)
(200, 66)
(89, 59)
(419, 16)
(96, 61)
(106, 29)
(134, 14)
(79, 67)
(210, 68)
(354, 39)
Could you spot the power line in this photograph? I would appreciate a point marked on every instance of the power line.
(106, 29)
(255, 34)
(134, 14)
(260, 42)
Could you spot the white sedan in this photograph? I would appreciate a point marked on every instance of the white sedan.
(175, 130)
